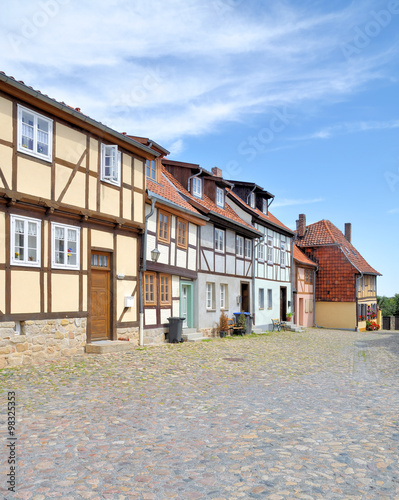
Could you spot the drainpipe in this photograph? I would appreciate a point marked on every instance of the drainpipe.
(143, 267)
(261, 239)
(314, 296)
(249, 196)
(189, 179)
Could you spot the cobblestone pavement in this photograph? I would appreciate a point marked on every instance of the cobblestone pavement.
(279, 416)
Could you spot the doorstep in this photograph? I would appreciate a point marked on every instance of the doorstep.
(108, 346)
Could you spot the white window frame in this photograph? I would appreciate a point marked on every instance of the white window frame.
(219, 197)
(239, 246)
(269, 298)
(282, 254)
(65, 227)
(219, 240)
(114, 178)
(150, 166)
(196, 187)
(252, 200)
(36, 117)
(261, 251)
(261, 298)
(264, 206)
(26, 221)
(223, 296)
(270, 249)
(210, 296)
(248, 249)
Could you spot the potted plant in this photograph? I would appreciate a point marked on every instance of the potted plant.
(289, 316)
(223, 325)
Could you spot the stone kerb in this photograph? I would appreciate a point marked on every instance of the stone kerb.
(41, 340)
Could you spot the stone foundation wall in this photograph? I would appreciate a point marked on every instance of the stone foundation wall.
(42, 340)
(209, 332)
(154, 336)
(131, 334)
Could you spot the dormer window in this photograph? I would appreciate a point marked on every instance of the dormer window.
(264, 206)
(197, 187)
(150, 169)
(252, 200)
(219, 197)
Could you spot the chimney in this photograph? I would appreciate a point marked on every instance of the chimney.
(348, 231)
(217, 172)
(301, 225)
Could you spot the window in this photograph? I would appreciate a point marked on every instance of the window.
(270, 299)
(248, 249)
(219, 240)
(65, 246)
(210, 296)
(239, 246)
(219, 197)
(282, 254)
(261, 251)
(110, 164)
(164, 226)
(182, 233)
(264, 206)
(197, 187)
(25, 241)
(372, 284)
(35, 134)
(150, 169)
(150, 281)
(308, 276)
(252, 200)
(164, 289)
(223, 297)
(261, 298)
(270, 250)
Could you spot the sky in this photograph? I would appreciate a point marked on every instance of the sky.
(299, 97)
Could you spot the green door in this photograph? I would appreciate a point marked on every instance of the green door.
(186, 303)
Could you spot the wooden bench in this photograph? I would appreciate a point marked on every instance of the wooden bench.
(233, 329)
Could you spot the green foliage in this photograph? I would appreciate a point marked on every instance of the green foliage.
(389, 305)
(241, 321)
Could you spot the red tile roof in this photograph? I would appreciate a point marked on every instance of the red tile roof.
(209, 205)
(324, 233)
(170, 191)
(300, 257)
(269, 217)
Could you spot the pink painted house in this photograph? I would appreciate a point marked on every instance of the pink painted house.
(304, 277)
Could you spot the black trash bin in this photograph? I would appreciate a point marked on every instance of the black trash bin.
(175, 329)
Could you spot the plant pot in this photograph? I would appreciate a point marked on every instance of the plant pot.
(222, 334)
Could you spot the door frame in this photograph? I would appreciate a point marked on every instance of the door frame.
(247, 285)
(190, 302)
(112, 293)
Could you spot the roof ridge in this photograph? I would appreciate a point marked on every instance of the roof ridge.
(329, 231)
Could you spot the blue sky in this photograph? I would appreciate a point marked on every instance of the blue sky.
(299, 97)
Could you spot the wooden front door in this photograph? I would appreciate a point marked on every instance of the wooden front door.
(283, 304)
(245, 297)
(100, 296)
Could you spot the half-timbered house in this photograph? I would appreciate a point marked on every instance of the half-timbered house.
(225, 246)
(72, 195)
(272, 255)
(304, 277)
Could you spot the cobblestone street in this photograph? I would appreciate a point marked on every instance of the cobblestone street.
(311, 415)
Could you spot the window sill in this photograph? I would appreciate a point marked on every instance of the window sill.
(26, 264)
(211, 310)
(111, 183)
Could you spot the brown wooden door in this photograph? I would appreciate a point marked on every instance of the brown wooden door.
(100, 296)
(245, 297)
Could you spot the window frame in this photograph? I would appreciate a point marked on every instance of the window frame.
(309, 276)
(217, 240)
(239, 246)
(248, 244)
(261, 255)
(179, 242)
(160, 237)
(153, 302)
(26, 220)
(264, 206)
(219, 199)
(196, 187)
(283, 259)
(65, 227)
(269, 298)
(270, 250)
(261, 298)
(118, 158)
(224, 296)
(210, 296)
(36, 116)
(150, 166)
(167, 300)
(252, 200)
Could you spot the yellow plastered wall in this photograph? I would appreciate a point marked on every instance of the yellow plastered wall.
(127, 204)
(126, 259)
(336, 314)
(109, 200)
(45, 292)
(84, 293)
(93, 163)
(83, 264)
(45, 229)
(34, 178)
(69, 144)
(126, 288)
(6, 165)
(138, 207)
(138, 173)
(6, 119)
(2, 239)
(75, 194)
(2, 291)
(25, 291)
(92, 193)
(64, 292)
(127, 168)
(102, 239)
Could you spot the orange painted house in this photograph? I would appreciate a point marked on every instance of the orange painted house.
(304, 277)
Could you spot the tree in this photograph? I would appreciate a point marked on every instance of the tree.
(387, 305)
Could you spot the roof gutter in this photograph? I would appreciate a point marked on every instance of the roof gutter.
(63, 107)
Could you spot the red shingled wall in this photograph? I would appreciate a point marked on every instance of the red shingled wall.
(336, 280)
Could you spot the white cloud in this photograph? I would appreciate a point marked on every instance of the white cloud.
(345, 128)
(286, 202)
(393, 211)
(176, 148)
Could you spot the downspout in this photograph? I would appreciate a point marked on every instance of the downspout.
(249, 196)
(191, 177)
(261, 239)
(314, 296)
(143, 267)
